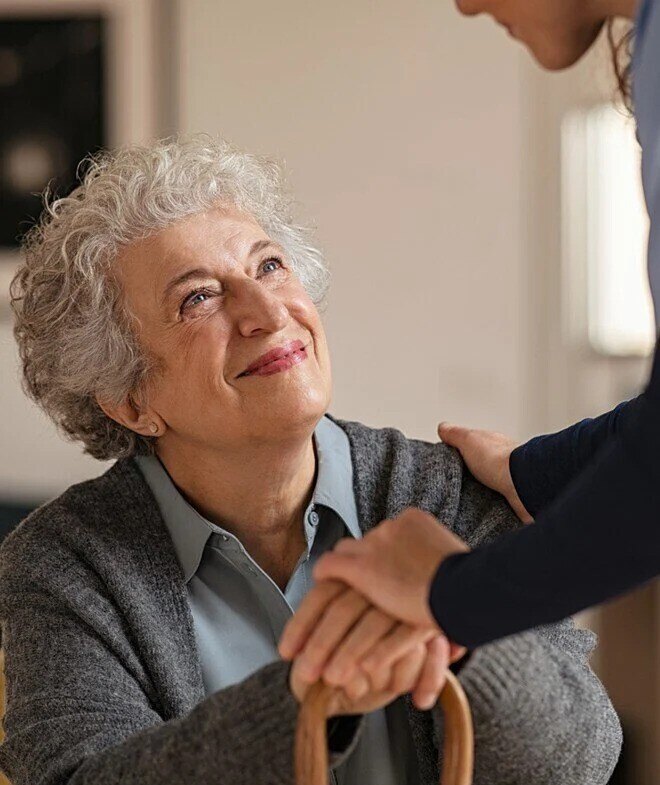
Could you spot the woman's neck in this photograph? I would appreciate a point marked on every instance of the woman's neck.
(259, 495)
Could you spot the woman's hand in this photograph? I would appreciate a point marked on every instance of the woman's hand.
(487, 454)
(358, 648)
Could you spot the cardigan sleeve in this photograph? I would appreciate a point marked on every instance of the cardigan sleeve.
(78, 713)
(541, 716)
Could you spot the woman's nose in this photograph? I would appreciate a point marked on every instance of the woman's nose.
(256, 309)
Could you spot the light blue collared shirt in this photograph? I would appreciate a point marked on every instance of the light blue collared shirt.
(239, 613)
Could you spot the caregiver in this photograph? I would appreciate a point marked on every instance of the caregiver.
(593, 488)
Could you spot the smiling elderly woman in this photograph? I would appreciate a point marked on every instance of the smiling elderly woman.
(166, 317)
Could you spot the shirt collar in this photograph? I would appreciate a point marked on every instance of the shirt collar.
(190, 530)
(334, 474)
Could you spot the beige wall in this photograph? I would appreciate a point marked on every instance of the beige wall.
(401, 125)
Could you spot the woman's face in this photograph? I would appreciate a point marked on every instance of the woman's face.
(557, 32)
(213, 294)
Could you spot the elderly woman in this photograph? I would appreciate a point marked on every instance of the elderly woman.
(166, 317)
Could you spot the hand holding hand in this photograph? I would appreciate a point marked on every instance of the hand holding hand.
(486, 454)
(393, 565)
(365, 653)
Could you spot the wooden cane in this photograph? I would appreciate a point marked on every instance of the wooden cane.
(311, 751)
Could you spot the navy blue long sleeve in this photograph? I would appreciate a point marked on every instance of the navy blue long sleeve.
(543, 467)
(600, 537)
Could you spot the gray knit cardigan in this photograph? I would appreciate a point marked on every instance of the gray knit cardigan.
(104, 683)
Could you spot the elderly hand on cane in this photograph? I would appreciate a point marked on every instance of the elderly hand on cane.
(366, 626)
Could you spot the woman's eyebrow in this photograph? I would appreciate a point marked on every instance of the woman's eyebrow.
(261, 244)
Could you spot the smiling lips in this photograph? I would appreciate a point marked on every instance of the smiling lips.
(276, 360)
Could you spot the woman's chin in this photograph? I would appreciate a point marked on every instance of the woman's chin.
(307, 408)
(556, 55)
(291, 406)
(555, 60)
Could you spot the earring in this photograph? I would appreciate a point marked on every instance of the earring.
(153, 427)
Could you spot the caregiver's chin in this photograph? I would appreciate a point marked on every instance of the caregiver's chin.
(243, 374)
(557, 32)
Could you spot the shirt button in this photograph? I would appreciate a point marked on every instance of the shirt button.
(224, 538)
(313, 518)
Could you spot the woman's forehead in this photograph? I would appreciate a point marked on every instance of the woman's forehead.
(215, 235)
(209, 241)
(221, 229)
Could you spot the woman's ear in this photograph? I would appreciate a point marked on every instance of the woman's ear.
(131, 415)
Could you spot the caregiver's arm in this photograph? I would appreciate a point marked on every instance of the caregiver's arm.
(543, 467)
(530, 476)
(598, 539)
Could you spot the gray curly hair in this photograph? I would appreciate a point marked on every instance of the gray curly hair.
(77, 341)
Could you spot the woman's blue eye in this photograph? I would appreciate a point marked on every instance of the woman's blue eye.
(192, 300)
(273, 264)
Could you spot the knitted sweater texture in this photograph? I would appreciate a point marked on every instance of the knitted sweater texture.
(104, 683)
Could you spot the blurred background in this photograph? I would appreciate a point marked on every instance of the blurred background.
(482, 219)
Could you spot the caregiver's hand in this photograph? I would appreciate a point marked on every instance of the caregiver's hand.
(487, 454)
(372, 658)
(392, 566)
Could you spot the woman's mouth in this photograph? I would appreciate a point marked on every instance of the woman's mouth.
(276, 360)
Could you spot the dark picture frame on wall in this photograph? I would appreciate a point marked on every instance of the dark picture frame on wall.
(52, 90)
(75, 76)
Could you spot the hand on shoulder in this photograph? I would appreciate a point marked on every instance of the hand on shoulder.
(487, 454)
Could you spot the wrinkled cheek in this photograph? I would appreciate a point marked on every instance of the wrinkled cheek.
(324, 377)
(322, 355)
(177, 386)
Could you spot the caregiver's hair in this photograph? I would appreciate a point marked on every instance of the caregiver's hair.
(77, 340)
(621, 44)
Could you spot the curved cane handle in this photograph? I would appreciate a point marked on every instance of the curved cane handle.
(311, 751)
(458, 746)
